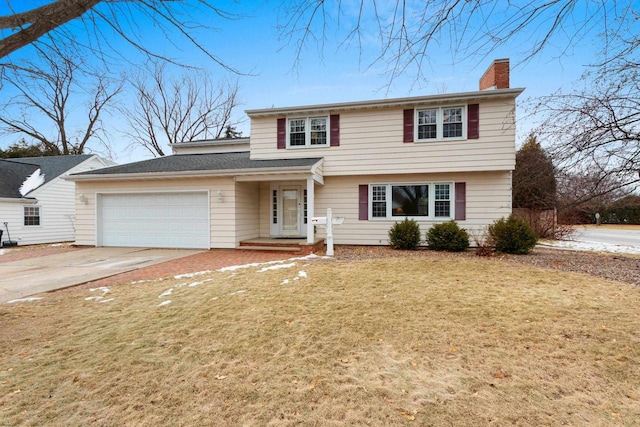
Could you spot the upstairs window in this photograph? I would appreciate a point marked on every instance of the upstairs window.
(308, 132)
(31, 215)
(440, 123)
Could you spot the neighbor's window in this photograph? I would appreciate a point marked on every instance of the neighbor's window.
(427, 200)
(308, 132)
(440, 123)
(31, 215)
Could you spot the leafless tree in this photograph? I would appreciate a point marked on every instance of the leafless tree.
(408, 31)
(170, 110)
(99, 21)
(49, 95)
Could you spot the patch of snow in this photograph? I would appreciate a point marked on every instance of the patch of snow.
(302, 274)
(32, 182)
(241, 291)
(3, 251)
(166, 293)
(191, 285)
(592, 246)
(189, 275)
(30, 299)
(98, 298)
(296, 278)
(277, 267)
(285, 282)
(102, 289)
(213, 299)
(107, 300)
(167, 302)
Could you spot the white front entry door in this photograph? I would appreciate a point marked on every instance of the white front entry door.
(290, 210)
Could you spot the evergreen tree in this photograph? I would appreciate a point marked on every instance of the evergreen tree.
(534, 182)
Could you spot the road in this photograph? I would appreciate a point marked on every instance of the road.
(607, 235)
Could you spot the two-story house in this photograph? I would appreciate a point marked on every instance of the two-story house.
(430, 158)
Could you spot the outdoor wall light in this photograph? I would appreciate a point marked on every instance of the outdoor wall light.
(83, 199)
(219, 196)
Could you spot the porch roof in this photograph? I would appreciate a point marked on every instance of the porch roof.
(190, 165)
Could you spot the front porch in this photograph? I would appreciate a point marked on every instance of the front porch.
(288, 245)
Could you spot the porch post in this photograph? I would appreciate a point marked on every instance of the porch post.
(311, 238)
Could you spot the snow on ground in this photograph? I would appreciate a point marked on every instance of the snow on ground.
(167, 302)
(166, 293)
(277, 267)
(3, 251)
(99, 298)
(30, 299)
(578, 245)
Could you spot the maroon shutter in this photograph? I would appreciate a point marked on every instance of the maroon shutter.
(461, 201)
(473, 121)
(408, 126)
(282, 133)
(363, 205)
(334, 126)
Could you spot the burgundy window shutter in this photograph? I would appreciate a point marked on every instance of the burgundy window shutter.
(408, 125)
(334, 126)
(473, 121)
(363, 205)
(461, 201)
(282, 133)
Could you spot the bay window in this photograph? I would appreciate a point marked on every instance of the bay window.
(424, 200)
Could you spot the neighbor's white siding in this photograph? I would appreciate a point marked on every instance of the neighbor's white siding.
(57, 210)
(371, 141)
(222, 214)
(488, 199)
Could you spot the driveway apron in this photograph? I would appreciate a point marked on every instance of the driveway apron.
(19, 279)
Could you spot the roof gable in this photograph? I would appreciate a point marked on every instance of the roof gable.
(14, 172)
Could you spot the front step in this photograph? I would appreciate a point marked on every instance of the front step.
(270, 248)
(298, 247)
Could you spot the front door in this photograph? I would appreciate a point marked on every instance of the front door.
(290, 208)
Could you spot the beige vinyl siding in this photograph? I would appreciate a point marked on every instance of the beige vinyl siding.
(222, 214)
(371, 142)
(266, 209)
(247, 211)
(488, 199)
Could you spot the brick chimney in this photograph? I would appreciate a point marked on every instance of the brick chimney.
(496, 76)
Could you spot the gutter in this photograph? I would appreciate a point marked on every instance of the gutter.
(396, 102)
(194, 174)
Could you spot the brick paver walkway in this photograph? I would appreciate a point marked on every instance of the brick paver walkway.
(209, 260)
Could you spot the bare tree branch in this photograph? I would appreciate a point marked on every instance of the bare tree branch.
(46, 92)
(187, 108)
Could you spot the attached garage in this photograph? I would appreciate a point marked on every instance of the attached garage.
(158, 220)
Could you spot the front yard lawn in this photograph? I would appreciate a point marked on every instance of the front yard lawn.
(457, 341)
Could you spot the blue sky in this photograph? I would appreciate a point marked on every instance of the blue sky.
(342, 72)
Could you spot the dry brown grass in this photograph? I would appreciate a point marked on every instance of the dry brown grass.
(378, 342)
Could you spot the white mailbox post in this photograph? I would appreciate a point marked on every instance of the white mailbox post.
(328, 222)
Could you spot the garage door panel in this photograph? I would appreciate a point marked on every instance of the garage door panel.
(167, 220)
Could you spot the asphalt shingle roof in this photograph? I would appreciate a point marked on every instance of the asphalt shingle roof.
(200, 162)
(13, 172)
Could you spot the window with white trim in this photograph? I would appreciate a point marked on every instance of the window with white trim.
(308, 132)
(440, 123)
(423, 200)
(31, 215)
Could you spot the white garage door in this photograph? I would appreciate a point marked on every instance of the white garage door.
(154, 220)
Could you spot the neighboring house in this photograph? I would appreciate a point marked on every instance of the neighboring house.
(431, 158)
(36, 202)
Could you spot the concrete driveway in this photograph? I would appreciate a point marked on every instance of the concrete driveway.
(19, 279)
